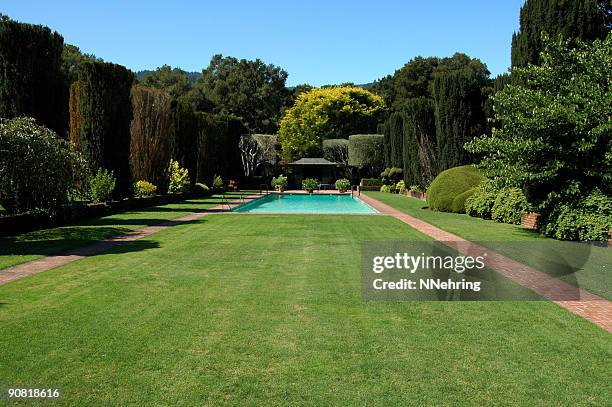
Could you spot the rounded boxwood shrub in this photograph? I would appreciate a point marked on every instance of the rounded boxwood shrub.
(509, 205)
(458, 205)
(451, 183)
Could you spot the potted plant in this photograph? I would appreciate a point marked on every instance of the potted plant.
(310, 184)
(279, 183)
(343, 184)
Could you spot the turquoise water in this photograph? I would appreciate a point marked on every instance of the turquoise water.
(298, 203)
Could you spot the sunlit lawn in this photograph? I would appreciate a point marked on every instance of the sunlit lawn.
(267, 310)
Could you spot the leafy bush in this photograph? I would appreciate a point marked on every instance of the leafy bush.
(386, 188)
(371, 182)
(480, 203)
(451, 183)
(509, 205)
(202, 188)
(400, 187)
(415, 188)
(179, 178)
(37, 168)
(102, 185)
(144, 188)
(310, 184)
(343, 184)
(217, 182)
(279, 182)
(588, 220)
(392, 175)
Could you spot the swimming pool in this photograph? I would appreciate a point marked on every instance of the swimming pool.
(303, 203)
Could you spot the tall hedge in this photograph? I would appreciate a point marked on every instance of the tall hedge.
(366, 153)
(395, 148)
(105, 114)
(459, 116)
(187, 130)
(419, 142)
(218, 151)
(153, 137)
(31, 82)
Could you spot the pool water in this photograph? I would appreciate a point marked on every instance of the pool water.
(303, 203)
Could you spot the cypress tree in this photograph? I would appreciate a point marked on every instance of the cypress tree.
(419, 142)
(396, 144)
(576, 19)
(459, 116)
(31, 82)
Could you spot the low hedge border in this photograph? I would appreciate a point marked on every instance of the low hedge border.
(71, 213)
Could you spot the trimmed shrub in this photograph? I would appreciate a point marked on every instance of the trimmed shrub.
(38, 170)
(385, 188)
(509, 205)
(31, 81)
(480, 203)
(152, 141)
(451, 183)
(218, 146)
(393, 140)
(371, 182)
(178, 177)
(366, 152)
(343, 184)
(392, 175)
(458, 205)
(144, 189)
(101, 186)
(104, 114)
(588, 220)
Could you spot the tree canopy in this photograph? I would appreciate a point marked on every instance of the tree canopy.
(173, 80)
(327, 113)
(249, 89)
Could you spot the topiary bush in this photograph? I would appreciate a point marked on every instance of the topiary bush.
(458, 204)
(480, 203)
(38, 170)
(366, 153)
(102, 185)
(144, 189)
(451, 183)
(509, 205)
(588, 220)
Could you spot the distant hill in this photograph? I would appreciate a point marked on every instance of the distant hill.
(193, 76)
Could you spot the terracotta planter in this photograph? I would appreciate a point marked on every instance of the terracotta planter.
(530, 220)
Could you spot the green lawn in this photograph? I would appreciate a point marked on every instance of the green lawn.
(267, 310)
(34, 245)
(582, 265)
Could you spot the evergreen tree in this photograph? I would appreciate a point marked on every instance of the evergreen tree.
(576, 19)
(419, 142)
(395, 140)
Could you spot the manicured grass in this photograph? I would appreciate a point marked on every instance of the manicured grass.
(582, 265)
(34, 245)
(267, 310)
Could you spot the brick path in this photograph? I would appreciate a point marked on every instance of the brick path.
(37, 266)
(589, 306)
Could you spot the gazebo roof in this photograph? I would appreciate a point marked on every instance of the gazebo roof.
(313, 161)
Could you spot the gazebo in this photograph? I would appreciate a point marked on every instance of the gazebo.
(324, 171)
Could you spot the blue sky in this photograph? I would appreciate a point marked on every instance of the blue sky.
(316, 42)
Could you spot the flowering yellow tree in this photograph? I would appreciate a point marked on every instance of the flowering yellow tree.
(327, 113)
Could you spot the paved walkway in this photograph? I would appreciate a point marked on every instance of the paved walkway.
(46, 263)
(588, 306)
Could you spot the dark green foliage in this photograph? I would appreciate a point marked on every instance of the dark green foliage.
(509, 205)
(218, 150)
(576, 19)
(174, 81)
(31, 82)
(392, 175)
(394, 143)
(419, 142)
(588, 220)
(105, 116)
(187, 130)
(459, 116)
(371, 182)
(250, 90)
(37, 169)
(451, 183)
(101, 186)
(366, 153)
(480, 203)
